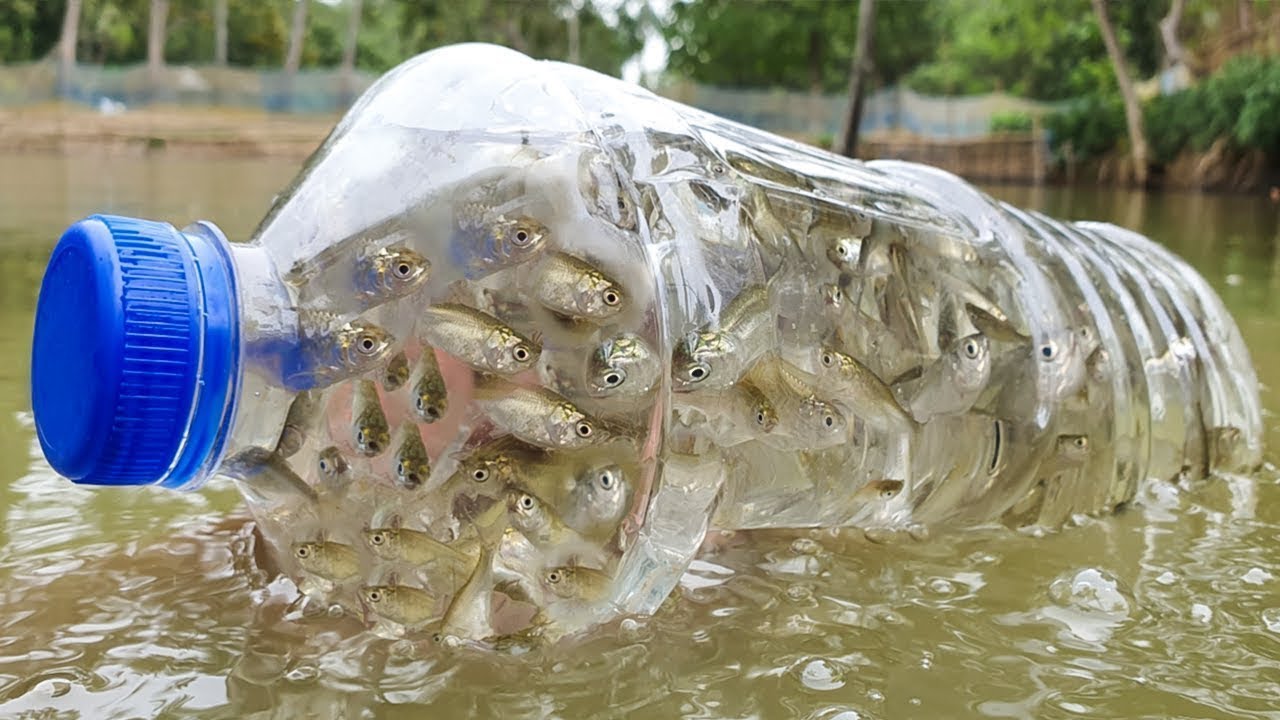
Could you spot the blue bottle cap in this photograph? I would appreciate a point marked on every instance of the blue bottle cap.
(135, 359)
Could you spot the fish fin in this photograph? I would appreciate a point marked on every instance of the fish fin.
(907, 376)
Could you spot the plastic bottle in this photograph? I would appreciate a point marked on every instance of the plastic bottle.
(684, 322)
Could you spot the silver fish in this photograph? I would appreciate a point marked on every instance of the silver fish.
(571, 582)
(390, 273)
(413, 467)
(269, 479)
(396, 373)
(954, 381)
(470, 613)
(430, 396)
(299, 423)
(478, 339)
(862, 390)
(330, 560)
(408, 606)
(397, 544)
(486, 243)
(540, 524)
(334, 469)
(598, 500)
(623, 365)
(330, 357)
(537, 415)
(575, 288)
(714, 359)
(369, 429)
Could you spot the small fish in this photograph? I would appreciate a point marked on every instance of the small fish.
(397, 544)
(575, 288)
(396, 373)
(478, 339)
(486, 243)
(954, 381)
(714, 359)
(818, 422)
(598, 500)
(269, 479)
(470, 613)
(328, 358)
(369, 428)
(430, 396)
(1226, 445)
(390, 273)
(881, 490)
(602, 191)
(843, 252)
(413, 467)
(537, 415)
(334, 468)
(531, 516)
(408, 606)
(1068, 451)
(993, 324)
(572, 582)
(624, 365)
(734, 415)
(868, 395)
(299, 422)
(330, 560)
(493, 464)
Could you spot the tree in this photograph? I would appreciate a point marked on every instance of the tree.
(155, 39)
(67, 45)
(297, 36)
(220, 32)
(847, 143)
(353, 37)
(1132, 109)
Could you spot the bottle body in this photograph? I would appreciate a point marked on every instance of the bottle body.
(522, 329)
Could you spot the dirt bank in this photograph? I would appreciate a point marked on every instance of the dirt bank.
(203, 132)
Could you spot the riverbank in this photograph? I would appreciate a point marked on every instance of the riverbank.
(199, 132)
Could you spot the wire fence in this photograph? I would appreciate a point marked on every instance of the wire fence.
(330, 90)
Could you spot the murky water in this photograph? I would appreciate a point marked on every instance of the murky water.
(136, 603)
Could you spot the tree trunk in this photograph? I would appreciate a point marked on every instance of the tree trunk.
(847, 142)
(220, 32)
(817, 119)
(575, 32)
(67, 45)
(155, 39)
(353, 36)
(1132, 110)
(1174, 53)
(297, 35)
(1244, 14)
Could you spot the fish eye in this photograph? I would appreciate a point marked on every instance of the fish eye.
(520, 353)
(324, 465)
(760, 417)
(374, 596)
(526, 502)
(829, 420)
(698, 372)
(377, 538)
(828, 359)
(553, 577)
(367, 344)
(611, 298)
(606, 480)
(1082, 442)
(1048, 351)
(522, 237)
(613, 379)
(971, 349)
(584, 430)
(303, 552)
(401, 470)
(480, 474)
(403, 270)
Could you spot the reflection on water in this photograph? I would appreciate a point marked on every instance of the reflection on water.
(138, 603)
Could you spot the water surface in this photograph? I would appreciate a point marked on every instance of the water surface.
(139, 603)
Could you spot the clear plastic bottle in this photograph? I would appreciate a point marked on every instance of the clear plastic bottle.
(519, 334)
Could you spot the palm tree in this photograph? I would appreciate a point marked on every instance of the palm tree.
(1132, 110)
(220, 32)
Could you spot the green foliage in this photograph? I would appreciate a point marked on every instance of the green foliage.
(1089, 127)
(28, 28)
(1011, 121)
(801, 44)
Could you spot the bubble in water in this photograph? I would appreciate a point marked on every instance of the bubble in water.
(875, 696)
(1166, 578)
(822, 675)
(1091, 590)
(1256, 576)
(1271, 618)
(941, 586)
(1201, 613)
